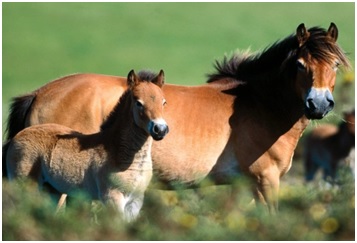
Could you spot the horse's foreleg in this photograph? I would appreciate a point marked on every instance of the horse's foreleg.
(128, 206)
(116, 200)
(267, 189)
(133, 206)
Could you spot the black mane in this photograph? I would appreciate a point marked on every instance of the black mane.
(144, 75)
(247, 67)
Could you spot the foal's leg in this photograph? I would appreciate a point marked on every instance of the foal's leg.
(116, 200)
(133, 206)
(61, 202)
(128, 206)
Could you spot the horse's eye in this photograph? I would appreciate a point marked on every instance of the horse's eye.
(300, 65)
(139, 104)
(164, 102)
(335, 67)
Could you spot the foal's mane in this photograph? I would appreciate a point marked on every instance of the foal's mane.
(245, 67)
(144, 75)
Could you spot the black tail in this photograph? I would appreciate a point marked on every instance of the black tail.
(19, 108)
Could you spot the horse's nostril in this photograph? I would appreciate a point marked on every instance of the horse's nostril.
(331, 103)
(156, 129)
(159, 131)
(310, 104)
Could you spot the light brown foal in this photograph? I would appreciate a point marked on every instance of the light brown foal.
(113, 165)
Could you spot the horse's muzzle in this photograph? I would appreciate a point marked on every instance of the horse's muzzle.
(158, 129)
(318, 102)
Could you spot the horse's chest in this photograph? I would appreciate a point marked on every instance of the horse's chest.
(132, 176)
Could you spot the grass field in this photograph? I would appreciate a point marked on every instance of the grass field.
(43, 41)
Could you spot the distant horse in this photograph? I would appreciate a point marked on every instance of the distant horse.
(113, 165)
(327, 145)
(247, 119)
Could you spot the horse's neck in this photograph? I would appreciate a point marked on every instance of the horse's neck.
(270, 90)
(265, 67)
(130, 144)
(272, 129)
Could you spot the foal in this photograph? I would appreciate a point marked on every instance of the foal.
(113, 165)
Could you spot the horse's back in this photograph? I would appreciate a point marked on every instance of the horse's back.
(30, 147)
(323, 131)
(79, 101)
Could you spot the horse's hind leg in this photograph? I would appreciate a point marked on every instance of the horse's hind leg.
(61, 203)
(20, 162)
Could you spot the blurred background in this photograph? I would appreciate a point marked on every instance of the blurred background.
(44, 41)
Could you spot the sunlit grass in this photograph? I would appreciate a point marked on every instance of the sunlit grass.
(211, 213)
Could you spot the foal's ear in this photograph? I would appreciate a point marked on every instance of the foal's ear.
(302, 34)
(159, 80)
(132, 79)
(333, 32)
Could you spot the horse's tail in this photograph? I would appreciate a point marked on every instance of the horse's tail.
(19, 109)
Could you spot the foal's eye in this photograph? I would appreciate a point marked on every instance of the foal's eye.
(164, 102)
(139, 104)
(300, 65)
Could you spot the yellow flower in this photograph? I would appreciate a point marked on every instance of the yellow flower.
(329, 225)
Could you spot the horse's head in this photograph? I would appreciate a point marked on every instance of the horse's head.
(148, 104)
(318, 58)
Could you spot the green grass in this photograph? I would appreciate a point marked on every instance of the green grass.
(212, 213)
(43, 41)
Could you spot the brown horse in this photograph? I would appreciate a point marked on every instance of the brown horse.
(327, 145)
(113, 165)
(247, 119)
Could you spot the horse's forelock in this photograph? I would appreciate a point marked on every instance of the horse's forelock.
(325, 49)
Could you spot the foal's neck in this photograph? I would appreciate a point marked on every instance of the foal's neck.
(131, 143)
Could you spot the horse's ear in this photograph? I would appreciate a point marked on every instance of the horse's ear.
(159, 80)
(302, 34)
(132, 79)
(333, 32)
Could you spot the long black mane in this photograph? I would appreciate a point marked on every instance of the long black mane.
(271, 61)
(118, 110)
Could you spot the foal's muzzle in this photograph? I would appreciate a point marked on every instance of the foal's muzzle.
(158, 129)
(318, 102)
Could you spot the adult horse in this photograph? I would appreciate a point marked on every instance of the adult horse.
(113, 165)
(247, 119)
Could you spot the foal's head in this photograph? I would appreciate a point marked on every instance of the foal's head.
(318, 58)
(148, 104)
